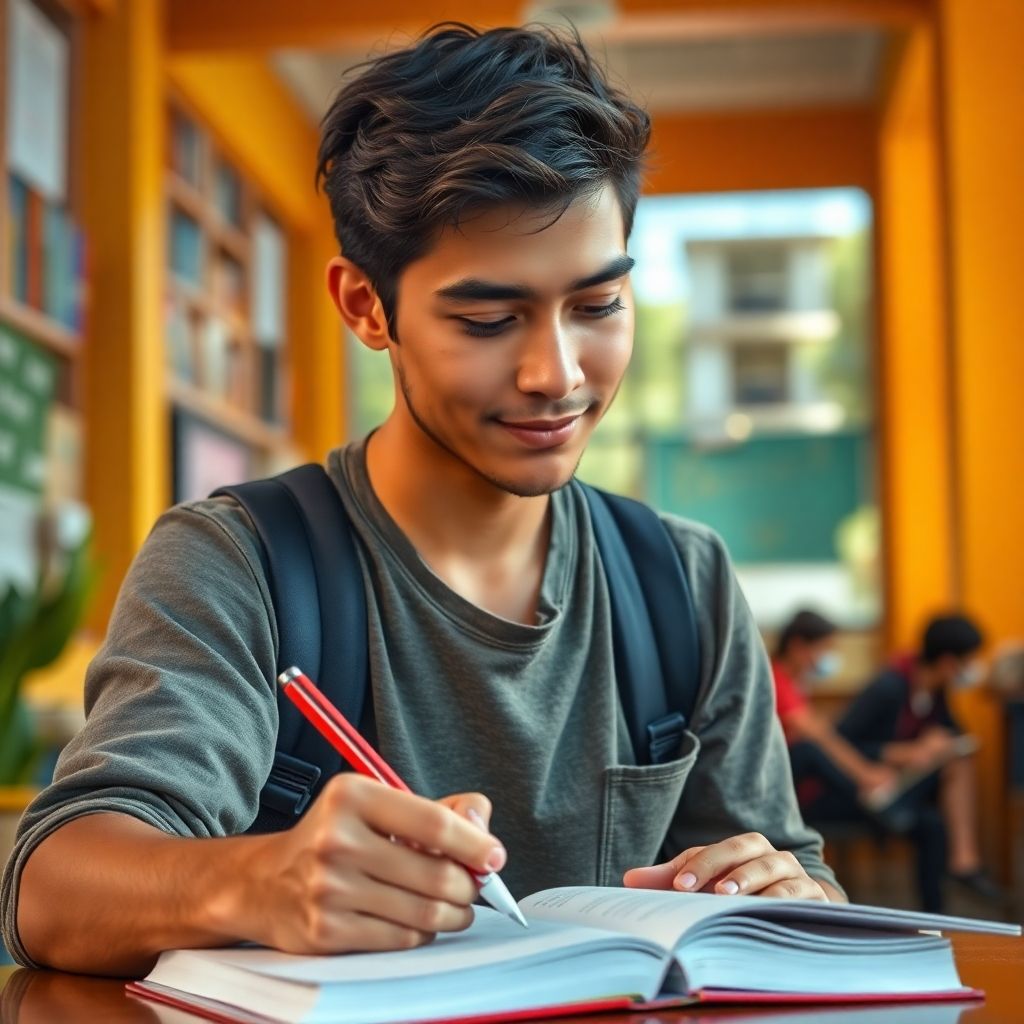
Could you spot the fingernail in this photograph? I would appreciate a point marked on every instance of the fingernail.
(730, 888)
(496, 859)
(687, 881)
(474, 816)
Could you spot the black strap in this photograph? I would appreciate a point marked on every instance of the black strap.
(654, 627)
(317, 590)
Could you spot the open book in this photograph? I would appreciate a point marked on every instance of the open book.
(880, 799)
(587, 948)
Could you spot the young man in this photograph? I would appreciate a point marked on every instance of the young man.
(903, 719)
(483, 188)
(831, 775)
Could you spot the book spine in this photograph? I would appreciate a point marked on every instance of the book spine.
(18, 250)
(34, 246)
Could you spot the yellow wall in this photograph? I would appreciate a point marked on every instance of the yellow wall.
(984, 103)
(913, 350)
(762, 150)
(951, 218)
(985, 149)
(122, 173)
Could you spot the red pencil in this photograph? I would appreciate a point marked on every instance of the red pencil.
(347, 741)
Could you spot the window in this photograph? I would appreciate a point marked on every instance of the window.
(758, 278)
(760, 373)
(748, 403)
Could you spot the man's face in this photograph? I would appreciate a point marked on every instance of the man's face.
(513, 338)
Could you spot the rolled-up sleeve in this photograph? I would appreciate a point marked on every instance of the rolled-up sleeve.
(181, 715)
(741, 780)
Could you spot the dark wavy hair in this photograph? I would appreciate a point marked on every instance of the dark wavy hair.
(464, 120)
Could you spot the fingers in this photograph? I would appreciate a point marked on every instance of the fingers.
(412, 910)
(805, 888)
(712, 863)
(474, 806)
(434, 877)
(347, 932)
(769, 870)
(745, 865)
(420, 822)
(659, 876)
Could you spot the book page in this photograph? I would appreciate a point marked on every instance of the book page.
(491, 939)
(664, 917)
(658, 915)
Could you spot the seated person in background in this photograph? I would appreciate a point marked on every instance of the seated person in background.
(831, 775)
(903, 719)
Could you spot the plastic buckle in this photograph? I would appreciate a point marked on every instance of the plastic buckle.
(664, 737)
(289, 788)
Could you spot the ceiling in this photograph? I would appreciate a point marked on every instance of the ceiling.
(676, 71)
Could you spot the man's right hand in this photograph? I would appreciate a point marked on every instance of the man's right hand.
(335, 882)
(367, 868)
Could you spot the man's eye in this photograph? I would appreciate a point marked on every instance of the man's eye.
(485, 328)
(615, 306)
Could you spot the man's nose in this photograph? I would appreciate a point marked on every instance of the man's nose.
(549, 364)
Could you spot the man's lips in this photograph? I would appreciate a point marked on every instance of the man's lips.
(540, 424)
(541, 434)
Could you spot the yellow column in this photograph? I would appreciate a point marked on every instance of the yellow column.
(318, 356)
(123, 117)
(913, 350)
(984, 79)
(984, 107)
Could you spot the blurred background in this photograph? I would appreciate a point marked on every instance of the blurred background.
(829, 364)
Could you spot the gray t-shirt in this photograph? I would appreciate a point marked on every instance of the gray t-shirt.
(182, 714)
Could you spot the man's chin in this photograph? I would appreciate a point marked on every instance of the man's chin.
(532, 482)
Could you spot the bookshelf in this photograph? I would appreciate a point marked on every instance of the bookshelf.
(42, 248)
(225, 325)
(43, 285)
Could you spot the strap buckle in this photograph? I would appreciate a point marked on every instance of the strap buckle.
(664, 735)
(290, 786)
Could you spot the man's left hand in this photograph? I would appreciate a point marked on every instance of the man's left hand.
(746, 864)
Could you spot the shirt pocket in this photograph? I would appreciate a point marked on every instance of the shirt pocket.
(639, 804)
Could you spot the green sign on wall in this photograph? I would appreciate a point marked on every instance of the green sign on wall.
(773, 499)
(27, 378)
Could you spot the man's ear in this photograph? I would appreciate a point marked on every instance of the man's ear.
(358, 303)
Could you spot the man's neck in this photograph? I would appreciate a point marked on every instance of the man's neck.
(488, 545)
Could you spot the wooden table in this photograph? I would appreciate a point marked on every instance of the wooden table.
(995, 964)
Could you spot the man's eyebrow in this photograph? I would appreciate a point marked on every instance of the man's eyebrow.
(474, 289)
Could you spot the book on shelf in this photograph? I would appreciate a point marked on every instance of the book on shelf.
(178, 330)
(587, 949)
(17, 239)
(45, 255)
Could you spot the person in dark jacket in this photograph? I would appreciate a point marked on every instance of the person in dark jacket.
(903, 719)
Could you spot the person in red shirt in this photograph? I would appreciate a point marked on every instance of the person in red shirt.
(832, 776)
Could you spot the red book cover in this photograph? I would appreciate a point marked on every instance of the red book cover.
(34, 246)
(226, 1014)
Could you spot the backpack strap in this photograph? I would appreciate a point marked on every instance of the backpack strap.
(316, 586)
(654, 625)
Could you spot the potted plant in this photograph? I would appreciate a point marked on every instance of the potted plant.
(35, 625)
